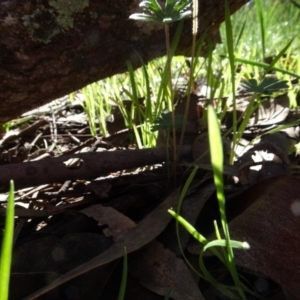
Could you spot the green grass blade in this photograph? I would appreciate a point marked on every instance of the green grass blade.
(246, 116)
(222, 243)
(222, 288)
(168, 293)
(183, 222)
(216, 154)
(89, 108)
(193, 232)
(285, 126)
(212, 246)
(240, 34)
(185, 188)
(230, 49)
(279, 55)
(261, 21)
(133, 82)
(295, 3)
(266, 66)
(188, 227)
(124, 277)
(7, 244)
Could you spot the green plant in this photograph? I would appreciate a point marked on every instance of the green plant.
(7, 244)
(96, 108)
(143, 114)
(267, 85)
(173, 11)
(216, 153)
(227, 257)
(104, 98)
(6, 127)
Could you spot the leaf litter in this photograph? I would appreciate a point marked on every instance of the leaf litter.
(74, 221)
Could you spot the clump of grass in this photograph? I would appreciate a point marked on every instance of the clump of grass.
(248, 25)
(148, 83)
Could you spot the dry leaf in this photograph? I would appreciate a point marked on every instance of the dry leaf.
(158, 269)
(271, 227)
(116, 221)
(147, 230)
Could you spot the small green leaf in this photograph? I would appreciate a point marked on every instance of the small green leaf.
(164, 122)
(173, 11)
(142, 17)
(223, 243)
(267, 86)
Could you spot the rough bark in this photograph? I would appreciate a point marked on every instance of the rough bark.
(50, 48)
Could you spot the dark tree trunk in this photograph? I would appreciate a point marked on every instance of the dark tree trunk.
(51, 48)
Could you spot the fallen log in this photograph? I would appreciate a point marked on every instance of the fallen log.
(51, 48)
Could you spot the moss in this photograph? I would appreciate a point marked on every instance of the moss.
(93, 15)
(69, 7)
(43, 25)
(66, 9)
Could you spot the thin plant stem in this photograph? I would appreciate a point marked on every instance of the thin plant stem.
(171, 106)
(122, 290)
(191, 73)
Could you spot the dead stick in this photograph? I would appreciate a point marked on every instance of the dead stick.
(86, 166)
